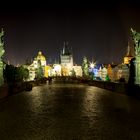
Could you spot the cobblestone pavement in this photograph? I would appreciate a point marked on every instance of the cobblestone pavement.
(69, 112)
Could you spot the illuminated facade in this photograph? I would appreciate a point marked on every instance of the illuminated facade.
(104, 73)
(32, 72)
(66, 60)
(56, 71)
(40, 57)
(109, 71)
(128, 56)
(120, 72)
(78, 71)
(99, 72)
(48, 71)
(39, 61)
(125, 72)
(65, 68)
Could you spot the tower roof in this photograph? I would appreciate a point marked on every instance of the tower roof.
(66, 49)
(129, 51)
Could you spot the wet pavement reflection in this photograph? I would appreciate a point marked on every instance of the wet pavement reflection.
(69, 112)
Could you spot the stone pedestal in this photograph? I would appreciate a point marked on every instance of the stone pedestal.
(1, 73)
(137, 70)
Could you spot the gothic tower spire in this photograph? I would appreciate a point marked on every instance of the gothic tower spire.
(129, 55)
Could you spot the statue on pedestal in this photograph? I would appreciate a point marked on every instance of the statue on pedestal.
(135, 63)
(136, 39)
(2, 51)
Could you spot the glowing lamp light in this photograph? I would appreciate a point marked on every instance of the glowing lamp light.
(57, 68)
(92, 65)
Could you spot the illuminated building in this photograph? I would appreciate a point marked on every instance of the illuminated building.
(65, 68)
(66, 59)
(48, 70)
(120, 72)
(109, 71)
(103, 73)
(116, 73)
(128, 56)
(32, 72)
(56, 71)
(39, 61)
(78, 71)
(40, 57)
(125, 72)
(99, 72)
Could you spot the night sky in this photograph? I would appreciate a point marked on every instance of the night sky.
(99, 31)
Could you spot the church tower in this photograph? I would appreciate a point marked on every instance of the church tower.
(129, 55)
(66, 59)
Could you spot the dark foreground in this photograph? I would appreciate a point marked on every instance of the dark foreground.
(69, 112)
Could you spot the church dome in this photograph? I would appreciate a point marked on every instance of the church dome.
(40, 56)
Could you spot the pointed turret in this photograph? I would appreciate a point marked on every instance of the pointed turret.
(63, 51)
(129, 50)
(66, 50)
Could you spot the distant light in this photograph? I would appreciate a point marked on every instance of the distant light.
(57, 68)
(92, 65)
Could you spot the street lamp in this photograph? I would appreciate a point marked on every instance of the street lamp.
(92, 65)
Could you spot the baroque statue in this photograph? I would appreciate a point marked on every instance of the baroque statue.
(135, 63)
(2, 51)
(136, 39)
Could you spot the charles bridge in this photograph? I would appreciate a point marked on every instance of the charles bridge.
(69, 109)
(121, 88)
